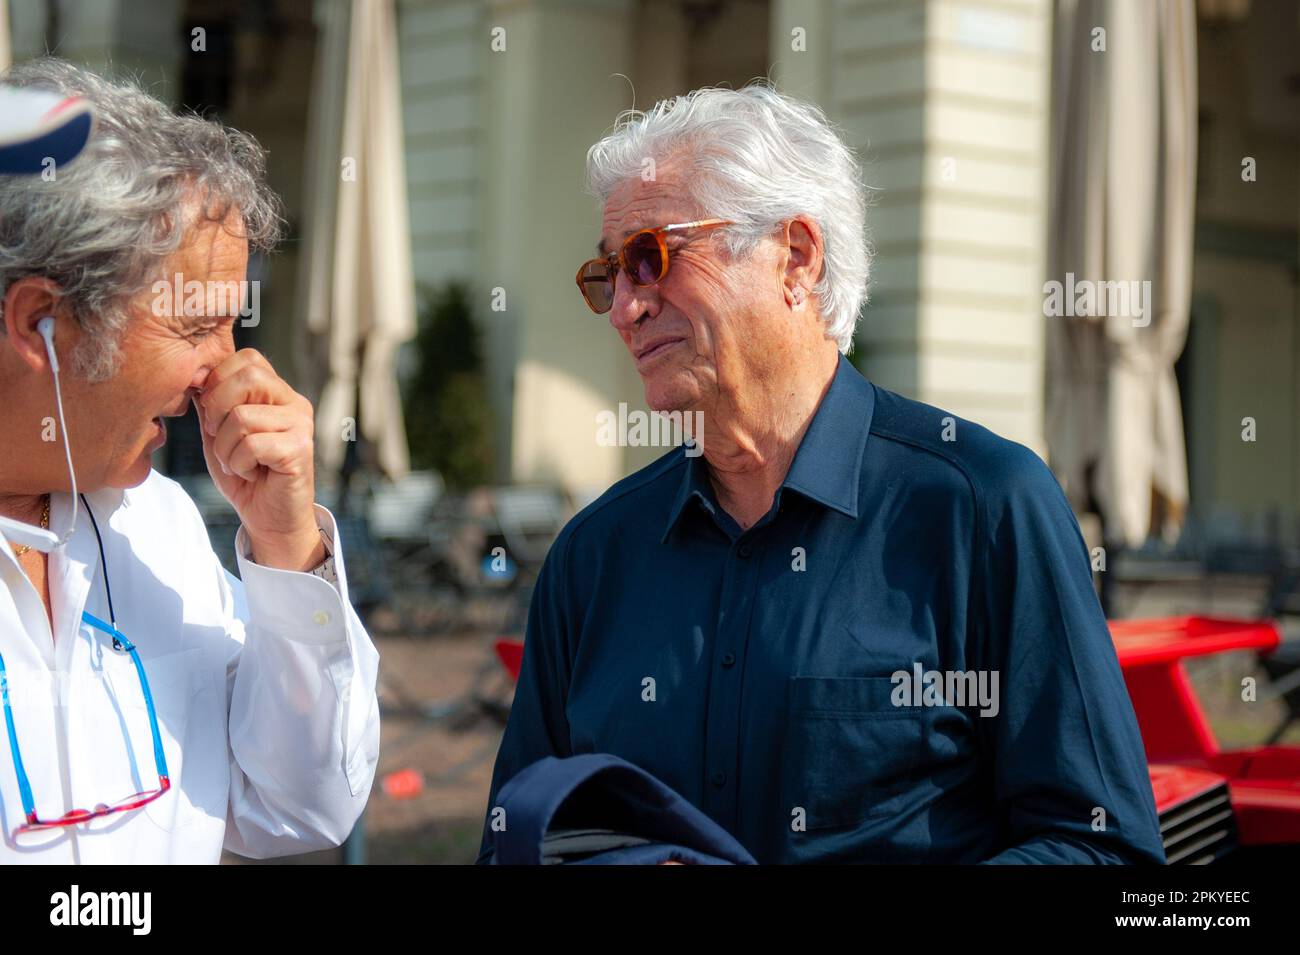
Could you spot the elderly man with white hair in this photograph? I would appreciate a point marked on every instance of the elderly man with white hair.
(855, 628)
(156, 708)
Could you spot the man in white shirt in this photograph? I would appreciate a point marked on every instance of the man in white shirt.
(156, 709)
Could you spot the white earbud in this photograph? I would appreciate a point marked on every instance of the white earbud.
(46, 328)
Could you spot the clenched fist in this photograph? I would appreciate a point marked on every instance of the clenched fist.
(258, 441)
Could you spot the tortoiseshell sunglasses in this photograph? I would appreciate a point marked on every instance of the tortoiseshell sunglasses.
(644, 257)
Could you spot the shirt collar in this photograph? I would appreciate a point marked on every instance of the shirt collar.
(827, 468)
(103, 503)
(695, 483)
(107, 499)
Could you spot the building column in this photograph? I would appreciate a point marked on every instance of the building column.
(947, 104)
(547, 97)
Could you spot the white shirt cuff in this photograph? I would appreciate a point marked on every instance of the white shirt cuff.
(298, 604)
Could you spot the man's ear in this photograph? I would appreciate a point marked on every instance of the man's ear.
(804, 258)
(26, 302)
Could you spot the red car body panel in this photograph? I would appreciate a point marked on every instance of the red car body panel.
(1184, 755)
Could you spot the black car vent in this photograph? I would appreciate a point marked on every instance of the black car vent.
(1200, 830)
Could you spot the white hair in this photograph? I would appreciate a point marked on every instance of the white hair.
(108, 219)
(759, 158)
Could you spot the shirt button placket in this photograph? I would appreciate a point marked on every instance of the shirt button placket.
(723, 736)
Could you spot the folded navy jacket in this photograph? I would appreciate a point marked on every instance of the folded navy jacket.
(597, 809)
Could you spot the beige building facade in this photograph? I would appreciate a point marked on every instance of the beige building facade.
(948, 105)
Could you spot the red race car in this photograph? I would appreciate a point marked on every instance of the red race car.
(1235, 805)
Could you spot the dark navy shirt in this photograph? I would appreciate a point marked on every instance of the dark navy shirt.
(761, 673)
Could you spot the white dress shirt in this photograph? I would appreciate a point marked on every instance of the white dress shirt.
(264, 692)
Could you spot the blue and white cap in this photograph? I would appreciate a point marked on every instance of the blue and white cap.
(37, 126)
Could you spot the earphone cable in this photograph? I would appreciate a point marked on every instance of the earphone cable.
(103, 563)
(67, 442)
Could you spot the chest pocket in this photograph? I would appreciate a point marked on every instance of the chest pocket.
(187, 709)
(849, 752)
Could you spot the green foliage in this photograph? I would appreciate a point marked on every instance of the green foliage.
(448, 421)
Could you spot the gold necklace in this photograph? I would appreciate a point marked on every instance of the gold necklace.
(45, 523)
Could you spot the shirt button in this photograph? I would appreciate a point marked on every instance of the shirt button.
(321, 617)
(719, 779)
(745, 550)
(728, 660)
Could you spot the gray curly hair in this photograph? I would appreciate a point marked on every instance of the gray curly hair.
(759, 158)
(103, 226)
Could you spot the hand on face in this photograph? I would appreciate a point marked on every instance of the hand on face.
(258, 442)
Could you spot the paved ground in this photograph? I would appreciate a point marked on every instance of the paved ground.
(442, 823)
(454, 754)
